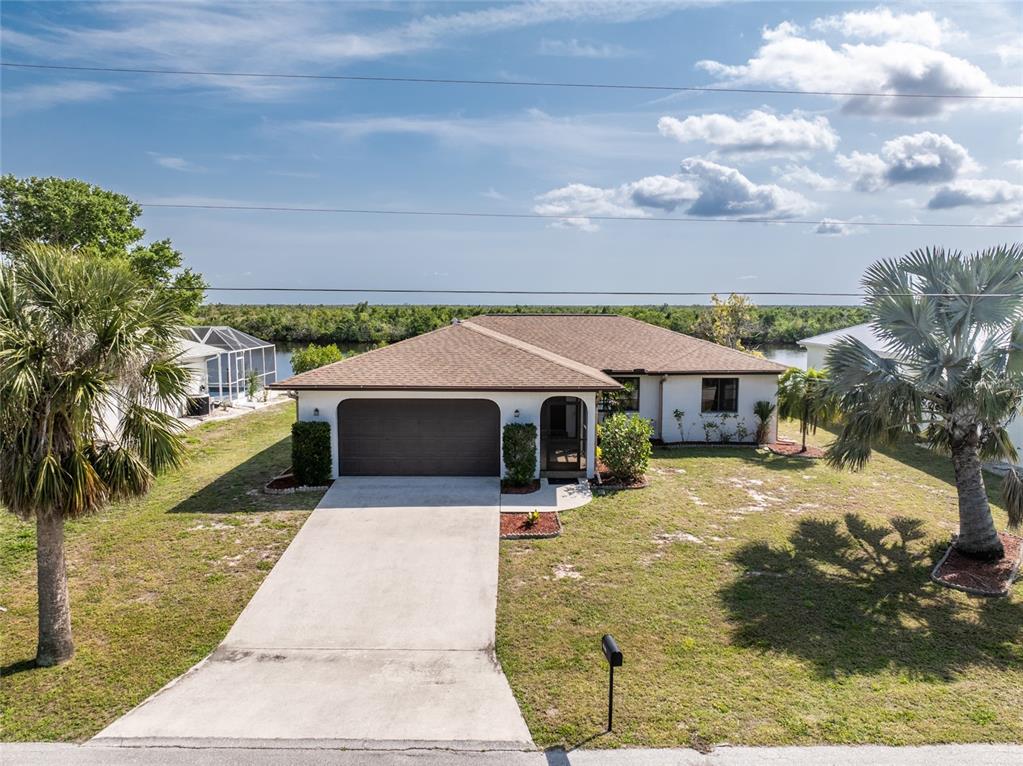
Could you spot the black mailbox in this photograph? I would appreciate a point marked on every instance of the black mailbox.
(611, 651)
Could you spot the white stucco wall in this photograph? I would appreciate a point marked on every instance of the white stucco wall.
(528, 403)
(649, 400)
(684, 392)
(815, 354)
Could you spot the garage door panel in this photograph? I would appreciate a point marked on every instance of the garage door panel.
(419, 437)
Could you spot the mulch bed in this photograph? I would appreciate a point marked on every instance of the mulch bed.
(513, 526)
(608, 481)
(287, 484)
(519, 489)
(792, 449)
(981, 578)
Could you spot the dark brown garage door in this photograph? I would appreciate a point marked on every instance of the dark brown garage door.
(419, 437)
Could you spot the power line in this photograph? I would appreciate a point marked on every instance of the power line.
(657, 293)
(578, 216)
(512, 83)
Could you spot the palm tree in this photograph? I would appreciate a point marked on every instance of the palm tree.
(85, 366)
(952, 326)
(804, 395)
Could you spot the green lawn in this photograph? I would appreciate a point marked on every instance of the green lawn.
(155, 584)
(799, 611)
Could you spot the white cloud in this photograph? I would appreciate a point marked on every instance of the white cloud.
(1010, 54)
(576, 203)
(756, 132)
(529, 133)
(45, 95)
(976, 192)
(1015, 165)
(705, 188)
(882, 24)
(724, 191)
(493, 193)
(789, 60)
(663, 192)
(583, 50)
(800, 175)
(921, 158)
(277, 37)
(175, 163)
(829, 227)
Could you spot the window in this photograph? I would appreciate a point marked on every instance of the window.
(720, 395)
(622, 401)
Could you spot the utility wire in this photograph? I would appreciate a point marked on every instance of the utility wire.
(665, 293)
(578, 216)
(512, 83)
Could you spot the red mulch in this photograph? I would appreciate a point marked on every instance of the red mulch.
(791, 449)
(516, 489)
(981, 578)
(609, 481)
(513, 525)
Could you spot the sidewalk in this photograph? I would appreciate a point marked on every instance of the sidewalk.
(308, 754)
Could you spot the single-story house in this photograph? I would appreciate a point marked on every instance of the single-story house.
(817, 346)
(239, 355)
(816, 357)
(436, 404)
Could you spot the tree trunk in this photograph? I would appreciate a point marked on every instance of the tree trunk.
(977, 535)
(55, 645)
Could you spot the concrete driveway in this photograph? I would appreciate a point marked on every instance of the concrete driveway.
(375, 629)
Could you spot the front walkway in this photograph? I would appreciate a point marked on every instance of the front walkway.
(375, 629)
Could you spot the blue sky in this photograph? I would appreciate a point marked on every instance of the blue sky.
(565, 153)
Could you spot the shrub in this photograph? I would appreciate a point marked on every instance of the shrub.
(680, 418)
(625, 444)
(763, 410)
(519, 451)
(709, 427)
(313, 356)
(251, 384)
(310, 452)
(532, 518)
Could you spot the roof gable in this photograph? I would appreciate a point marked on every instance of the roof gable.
(454, 357)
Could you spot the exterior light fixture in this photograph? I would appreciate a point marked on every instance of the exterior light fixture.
(316, 412)
(614, 660)
(516, 413)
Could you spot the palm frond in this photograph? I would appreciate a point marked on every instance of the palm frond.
(1012, 497)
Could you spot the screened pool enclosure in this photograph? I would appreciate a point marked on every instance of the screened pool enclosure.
(241, 355)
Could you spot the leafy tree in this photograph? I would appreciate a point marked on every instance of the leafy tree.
(729, 320)
(85, 367)
(80, 217)
(804, 395)
(313, 356)
(953, 326)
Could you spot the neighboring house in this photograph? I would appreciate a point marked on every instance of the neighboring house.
(816, 357)
(238, 355)
(435, 404)
(817, 346)
(195, 358)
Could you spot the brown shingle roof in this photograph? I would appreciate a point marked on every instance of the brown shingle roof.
(619, 344)
(455, 357)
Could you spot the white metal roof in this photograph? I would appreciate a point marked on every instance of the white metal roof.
(862, 332)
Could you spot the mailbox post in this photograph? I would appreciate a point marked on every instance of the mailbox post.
(614, 660)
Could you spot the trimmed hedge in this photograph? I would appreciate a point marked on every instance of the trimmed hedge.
(625, 445)
(519, 450)
(310, 452)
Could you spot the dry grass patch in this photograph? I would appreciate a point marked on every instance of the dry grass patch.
(155, 583)
(805, 614)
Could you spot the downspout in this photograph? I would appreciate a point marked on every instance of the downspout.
(660, 405)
